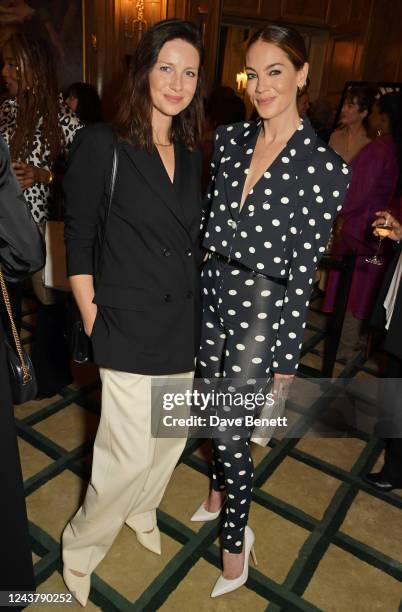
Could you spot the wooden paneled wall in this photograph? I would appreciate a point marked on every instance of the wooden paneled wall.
(364, 39)
(383, 58)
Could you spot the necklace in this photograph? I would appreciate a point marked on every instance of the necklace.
(161, 144)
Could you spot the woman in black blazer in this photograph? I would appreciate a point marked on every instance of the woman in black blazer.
(275, 191)
(142, 313)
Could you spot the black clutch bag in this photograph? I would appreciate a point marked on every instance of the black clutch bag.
(23, 383)
(81, 345)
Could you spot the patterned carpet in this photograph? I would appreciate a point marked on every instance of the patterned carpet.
(324, 539)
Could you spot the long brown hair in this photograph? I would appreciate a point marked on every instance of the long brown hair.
(134, 114)
(37, 97)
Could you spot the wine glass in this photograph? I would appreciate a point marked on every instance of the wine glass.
(383, 230)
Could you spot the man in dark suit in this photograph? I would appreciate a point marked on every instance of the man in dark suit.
(388, 313)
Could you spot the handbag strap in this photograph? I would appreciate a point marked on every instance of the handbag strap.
(109, 199)
(26, 376)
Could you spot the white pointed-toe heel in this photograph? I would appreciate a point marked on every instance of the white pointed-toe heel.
(150, 540)
(202, 514)
(79, 586)
(225, 585)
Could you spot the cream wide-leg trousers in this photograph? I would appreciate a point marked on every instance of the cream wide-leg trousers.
(130, 469)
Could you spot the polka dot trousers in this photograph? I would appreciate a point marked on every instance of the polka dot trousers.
(241, 314)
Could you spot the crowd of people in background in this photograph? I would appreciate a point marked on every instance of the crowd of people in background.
(40, 125)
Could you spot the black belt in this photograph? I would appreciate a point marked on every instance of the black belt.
(238, 264)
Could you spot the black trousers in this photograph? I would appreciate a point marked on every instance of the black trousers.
(241, 314)
(16, 571)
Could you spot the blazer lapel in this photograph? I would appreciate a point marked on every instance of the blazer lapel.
(151, 167)
(281, 178)
(239, 160)
(188, 192)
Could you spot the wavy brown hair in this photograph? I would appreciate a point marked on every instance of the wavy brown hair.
(37, 97)
(134, 114)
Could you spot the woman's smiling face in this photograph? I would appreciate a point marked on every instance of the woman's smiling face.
(272, 79)
(173, 79)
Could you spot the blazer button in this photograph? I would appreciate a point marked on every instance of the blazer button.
(189, 295)
(232, 223)
(188, 252)
(168, 297)
(166, 252)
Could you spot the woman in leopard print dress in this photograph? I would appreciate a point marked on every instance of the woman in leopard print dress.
(38, 127)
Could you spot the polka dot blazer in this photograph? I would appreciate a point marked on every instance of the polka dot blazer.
(285, 222)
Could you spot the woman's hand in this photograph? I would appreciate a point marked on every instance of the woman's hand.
(386, 217)
(89, 317)
(282, 382)
(82, 286)
(28, 175)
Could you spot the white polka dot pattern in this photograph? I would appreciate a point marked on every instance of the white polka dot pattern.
(284, 224)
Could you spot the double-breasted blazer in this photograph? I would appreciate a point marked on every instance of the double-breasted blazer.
(285, 222)
(147, 287)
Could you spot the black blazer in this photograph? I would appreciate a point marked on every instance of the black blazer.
(392, 343)
(147, 289)
(284, 225)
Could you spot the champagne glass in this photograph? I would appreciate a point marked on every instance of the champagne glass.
(383, 230)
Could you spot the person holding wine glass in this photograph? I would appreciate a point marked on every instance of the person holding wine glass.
(388, 313)
(375, 185)
(383, 229)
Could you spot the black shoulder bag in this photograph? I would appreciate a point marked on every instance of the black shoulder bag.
(81, 346)
(23, 383)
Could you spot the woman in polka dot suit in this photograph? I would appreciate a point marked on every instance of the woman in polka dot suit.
(275, 190)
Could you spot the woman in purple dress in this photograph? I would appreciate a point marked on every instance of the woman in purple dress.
(374, 186)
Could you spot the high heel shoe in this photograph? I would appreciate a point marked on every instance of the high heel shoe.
(202, 514)
(225, 585)
(150, 540)
(79, 586)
